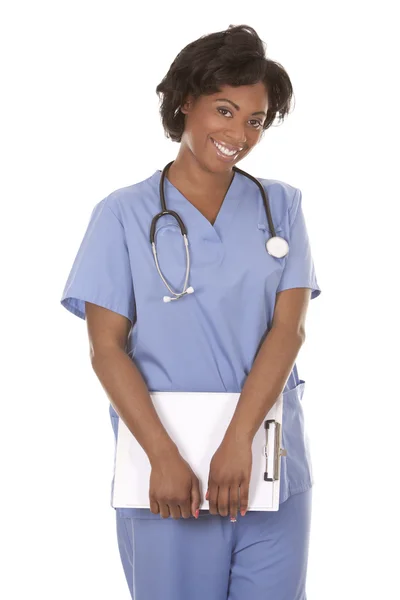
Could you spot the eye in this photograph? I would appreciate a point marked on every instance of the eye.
(220, 108)
(253, 120)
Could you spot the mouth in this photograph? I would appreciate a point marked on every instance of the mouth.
(225, 152)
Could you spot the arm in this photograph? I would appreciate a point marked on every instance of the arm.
(123, 382)
(272, 365)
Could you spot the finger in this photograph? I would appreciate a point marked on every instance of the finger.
(223, 500)
(164, 510)
(233, 501)
(212, 499)
(244, 498)
(154, 508)
(175, 511)
(186, 506)
(195, 498)
(185, 509)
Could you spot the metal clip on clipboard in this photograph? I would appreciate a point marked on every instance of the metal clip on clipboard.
(273, 462)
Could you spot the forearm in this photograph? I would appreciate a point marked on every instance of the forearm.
(128, 394)
(265, 382)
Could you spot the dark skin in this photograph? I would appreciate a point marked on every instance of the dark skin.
(204, 180)
(196, 172)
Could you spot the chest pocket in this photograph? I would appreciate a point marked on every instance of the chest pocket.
(252, 270)
(265, 234)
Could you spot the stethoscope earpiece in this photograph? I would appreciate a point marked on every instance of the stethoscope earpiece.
(276, 246)
(190, 290)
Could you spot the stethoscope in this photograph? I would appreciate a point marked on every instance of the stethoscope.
(276, 246)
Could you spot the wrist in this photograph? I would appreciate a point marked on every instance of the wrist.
(238, 435)
(162, 449)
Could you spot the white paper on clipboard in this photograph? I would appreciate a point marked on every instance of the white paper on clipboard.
(197, 436)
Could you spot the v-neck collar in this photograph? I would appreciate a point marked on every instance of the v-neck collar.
(197, 223)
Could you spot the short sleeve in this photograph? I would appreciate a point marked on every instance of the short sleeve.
(101, 271)
(299, 269)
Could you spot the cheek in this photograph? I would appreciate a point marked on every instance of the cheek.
(211, 124)
(198, 135)
(200, 138)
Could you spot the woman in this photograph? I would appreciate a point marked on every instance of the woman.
(239, 331)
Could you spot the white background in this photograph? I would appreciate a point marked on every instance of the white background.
(79, 120)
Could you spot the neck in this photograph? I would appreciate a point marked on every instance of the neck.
(187, 171)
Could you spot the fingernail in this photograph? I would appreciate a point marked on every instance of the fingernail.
(243, 512)
(233, 520)
(197, 514)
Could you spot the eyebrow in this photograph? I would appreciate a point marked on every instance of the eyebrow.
(259, 112)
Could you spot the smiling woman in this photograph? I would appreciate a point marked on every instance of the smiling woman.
(239, 330)
(235, 57)
(218, 98)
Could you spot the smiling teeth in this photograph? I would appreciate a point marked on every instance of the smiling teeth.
(225, 150)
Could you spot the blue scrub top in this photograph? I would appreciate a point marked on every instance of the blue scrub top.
(206, 341)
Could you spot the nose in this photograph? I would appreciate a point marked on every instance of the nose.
(237, 137)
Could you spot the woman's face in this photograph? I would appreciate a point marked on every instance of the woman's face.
(234, 117)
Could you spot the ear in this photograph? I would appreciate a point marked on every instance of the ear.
(187, 105)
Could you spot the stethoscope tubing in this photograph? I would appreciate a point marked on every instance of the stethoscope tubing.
(280, 251)
(182, 226)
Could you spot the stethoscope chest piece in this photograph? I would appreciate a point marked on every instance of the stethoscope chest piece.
(277, 246)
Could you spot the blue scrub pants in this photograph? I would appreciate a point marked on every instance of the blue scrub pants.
(263, 556)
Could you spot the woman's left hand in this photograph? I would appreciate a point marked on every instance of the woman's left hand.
(230, 468)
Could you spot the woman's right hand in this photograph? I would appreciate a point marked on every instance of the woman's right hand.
(174, 488)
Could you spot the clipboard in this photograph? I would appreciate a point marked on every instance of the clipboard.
(197, 436)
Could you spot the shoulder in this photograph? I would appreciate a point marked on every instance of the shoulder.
(283, 198)
(127, 200)
(283, 192)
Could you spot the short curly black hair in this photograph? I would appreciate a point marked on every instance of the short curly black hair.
(233, 57)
